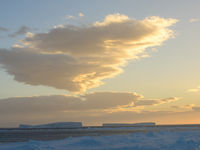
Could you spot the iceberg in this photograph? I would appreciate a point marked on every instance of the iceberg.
(54, 125)
(128, 124)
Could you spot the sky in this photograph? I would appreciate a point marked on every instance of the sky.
(99, 61)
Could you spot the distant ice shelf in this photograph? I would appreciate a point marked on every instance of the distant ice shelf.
(128, 124)
(79, 125)
(54, 125)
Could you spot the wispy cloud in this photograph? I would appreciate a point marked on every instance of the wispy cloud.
(193, 20)
(191, 107)
(69, 17)
(194, 89)
(155, 102)
(80, 15)
(3, 29)
(22, 30)
(196, 108)
(78, 58)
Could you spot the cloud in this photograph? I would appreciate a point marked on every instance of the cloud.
(193, 20)
(81, 14)
(68, 107)
(189, 106)
(58, 70)
(194, 90)
(155, 102)
(110, 19)
(87, 102)
(192, 107)
(77, 58)
(196, 108)
(22, 30)
(3, 29)
(70, 17)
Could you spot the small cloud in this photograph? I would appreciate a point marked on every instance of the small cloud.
(70, 17)
(155, 102)
(74, 17)
(3, 29)
(29, 34)
(189, 106)
(193, 20)
(81, 14)
(59, 26)
(194, 89)
(22, 30)
(196, 108)
(17, 46)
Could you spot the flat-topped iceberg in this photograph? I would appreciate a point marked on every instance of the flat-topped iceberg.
(54, 125)
(129, 124)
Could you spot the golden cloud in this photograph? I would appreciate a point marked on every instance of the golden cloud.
(20, 109)
(194, 89)
(77, 58)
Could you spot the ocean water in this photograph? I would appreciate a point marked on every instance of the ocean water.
(173, 138)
